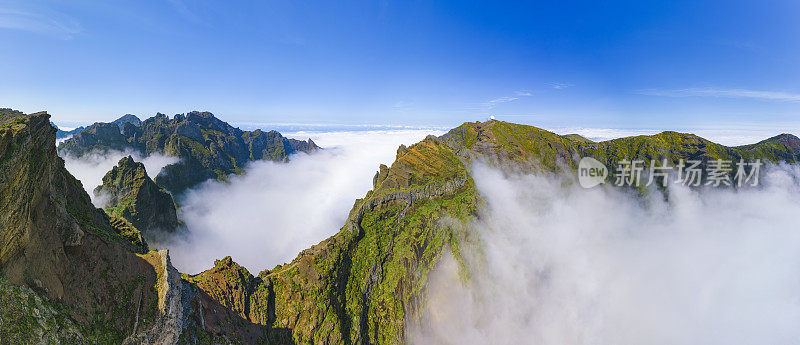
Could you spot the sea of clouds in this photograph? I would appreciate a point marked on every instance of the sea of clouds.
(276, 209)
(268, 215)
(558, 264)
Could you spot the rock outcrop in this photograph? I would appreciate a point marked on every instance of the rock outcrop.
(56, 243)
(208, 147)
(127, 118)
(127, 192)
(97, 137)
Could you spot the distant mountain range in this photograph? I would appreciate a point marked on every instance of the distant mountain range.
(208, 147)
(71, 273)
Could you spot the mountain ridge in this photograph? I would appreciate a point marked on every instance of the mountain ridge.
(209, 148)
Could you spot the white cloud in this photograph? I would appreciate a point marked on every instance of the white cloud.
(726, 93)
(90, 168)
(563, 265)
(561, 86)
(267, 216)
(40, 21)
(494, 102)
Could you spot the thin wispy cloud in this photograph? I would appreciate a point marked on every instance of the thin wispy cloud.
(43, 22)
(496, 101)
(724, 93)
(505, 99)
(184, 10)
(561, 86)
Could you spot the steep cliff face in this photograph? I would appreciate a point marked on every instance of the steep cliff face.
(129, 193)
(56, 243)
(208, 147)
(359, 285)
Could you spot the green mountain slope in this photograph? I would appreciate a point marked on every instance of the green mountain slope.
(130, 194)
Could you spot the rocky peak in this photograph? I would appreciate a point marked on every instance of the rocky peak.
(127, 118)
(99, 136)
(129, 193)
(57, 243)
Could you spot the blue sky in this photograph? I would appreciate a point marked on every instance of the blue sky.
(606, 64)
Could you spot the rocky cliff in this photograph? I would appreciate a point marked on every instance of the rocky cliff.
(127, 192)
(208, 147)
(60, 247)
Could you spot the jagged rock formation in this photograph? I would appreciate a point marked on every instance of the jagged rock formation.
(225, 293)
(127, 118)
(208, 147)
(56, 243)
(99, 136)
(69, 274)
(63, 134)
(129, 193)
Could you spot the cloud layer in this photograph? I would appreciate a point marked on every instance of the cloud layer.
(564, 265)
(267, 216)
(90, 168)
(726, 93)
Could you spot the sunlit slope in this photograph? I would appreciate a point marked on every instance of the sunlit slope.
(360, 283)
(366, 282)
(550, 152)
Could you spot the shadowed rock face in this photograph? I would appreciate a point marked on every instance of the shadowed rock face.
(129, 193)
(54, 241)
(99, 136)
(208, 147)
